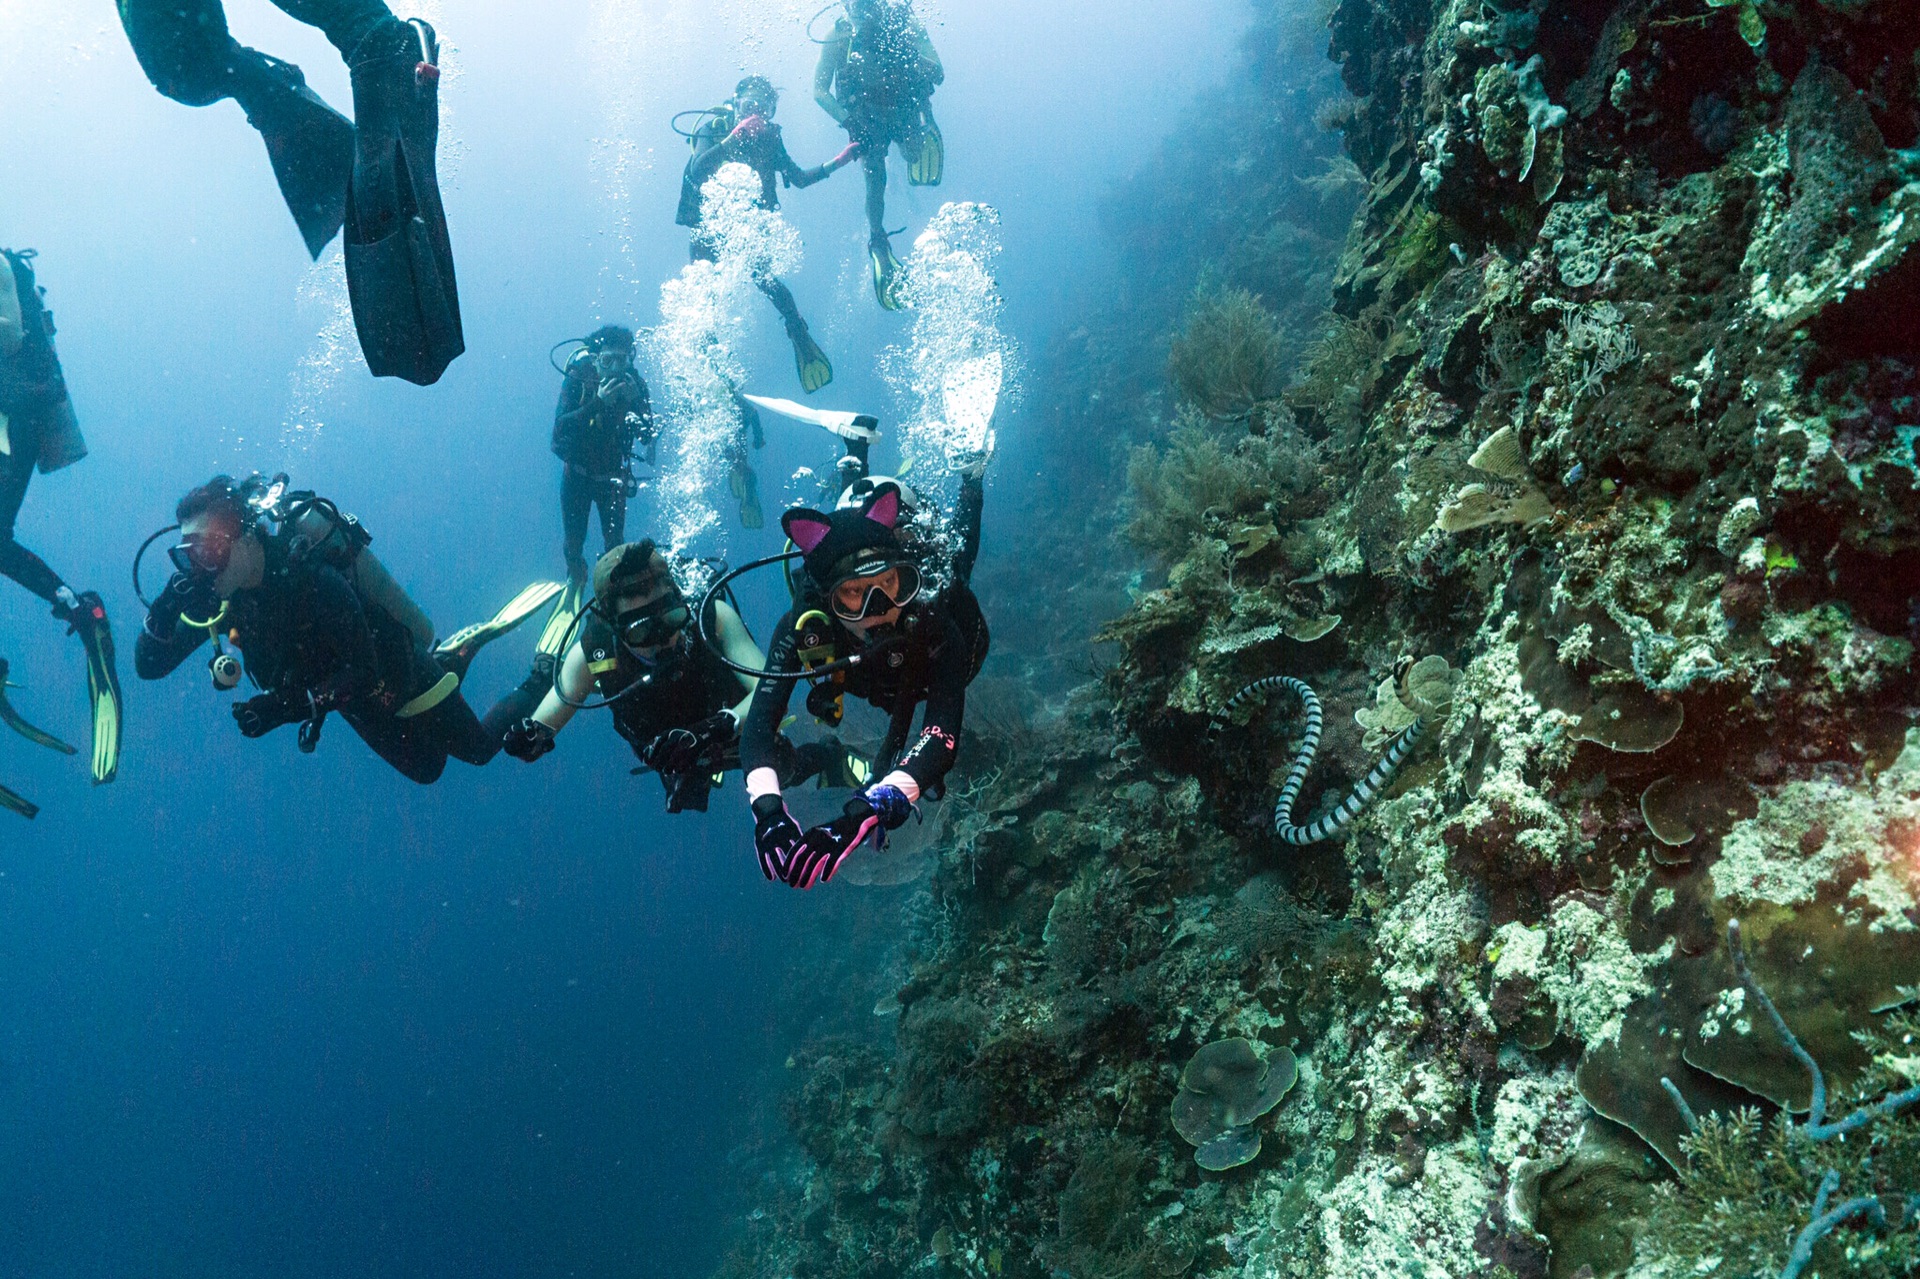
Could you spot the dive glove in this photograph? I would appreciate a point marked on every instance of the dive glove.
(681, 750)
(874, 812)
(775, 836)
(528, 740)
(258, 716)
(182, 596)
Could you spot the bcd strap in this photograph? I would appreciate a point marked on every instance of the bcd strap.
(440, 692)
(827, 700)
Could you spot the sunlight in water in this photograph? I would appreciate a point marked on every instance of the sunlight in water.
(697, 343)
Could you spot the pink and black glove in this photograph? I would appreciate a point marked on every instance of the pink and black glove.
(879, 810)
(776, 836)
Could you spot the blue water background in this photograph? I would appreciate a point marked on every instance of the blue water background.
(266, 1014)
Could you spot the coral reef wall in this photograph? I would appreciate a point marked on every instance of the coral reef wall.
(1609, 401)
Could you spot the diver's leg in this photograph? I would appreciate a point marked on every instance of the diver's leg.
(412, 752)
(576, 501)
(345, 23)
(873, 160)
(16, 561)
(188, 54)
(613, 513)
(455, 730)
(183, 46)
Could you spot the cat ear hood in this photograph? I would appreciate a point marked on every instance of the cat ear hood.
(827, 540)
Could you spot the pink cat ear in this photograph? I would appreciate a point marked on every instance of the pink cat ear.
(807, 529)
(885, 510)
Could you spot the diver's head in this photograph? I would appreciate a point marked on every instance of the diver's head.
(863, 12)
(217, 541)
(639, 598)
(611, 346)
(855, 559)
(755, 95)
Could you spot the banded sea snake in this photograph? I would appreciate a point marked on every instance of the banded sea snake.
(1357, 800)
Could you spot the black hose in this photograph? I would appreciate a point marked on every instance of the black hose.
(705, 113)
(791, 677)
(140, 555)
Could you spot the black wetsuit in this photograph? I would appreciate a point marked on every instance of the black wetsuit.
(32, 393)
(188, 54)
(682, 693)
(306, 634)
(767, 156)
(594, 437)
(886, 88)
(947, 640)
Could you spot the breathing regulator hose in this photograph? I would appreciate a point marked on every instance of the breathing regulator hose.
(791, 677)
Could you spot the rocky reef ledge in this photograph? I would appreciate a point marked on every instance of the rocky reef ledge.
(1609, 401)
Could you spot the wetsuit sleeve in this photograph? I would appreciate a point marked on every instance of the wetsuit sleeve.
(758, 734)
(162, 645)
(933, 752)
(966, 526)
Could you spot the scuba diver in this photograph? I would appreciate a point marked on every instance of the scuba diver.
(14, 720)
(675, 702)
(38, 429)
(604, 413)
(876, 78)
(288, 579)
(868, 620)
(743, 132)
(375, 175)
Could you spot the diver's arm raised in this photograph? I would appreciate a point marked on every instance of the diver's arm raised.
(833, 59)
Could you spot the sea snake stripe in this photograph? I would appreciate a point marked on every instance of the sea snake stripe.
(1362, 795)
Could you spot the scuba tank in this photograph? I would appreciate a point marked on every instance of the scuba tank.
(26, 333)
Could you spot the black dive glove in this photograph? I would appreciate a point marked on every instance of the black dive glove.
(681, 750)
(528, 740)
(258, 716)
(870, 815)
(182, 596)
(775, 836)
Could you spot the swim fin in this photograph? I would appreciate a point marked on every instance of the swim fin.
(309, 144)
(861, 427)
(930, 165)
(746, 488)
(18, 804)
(458, 650)
(560, 628)
(809, 361)
(886, 272)
(89, 622)
(398, 255)
(13, 720)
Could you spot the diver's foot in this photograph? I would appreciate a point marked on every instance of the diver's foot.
(399, 259)
(886, 272)
(456, 653)
(809, 361)
(87, 618)
(309, 144)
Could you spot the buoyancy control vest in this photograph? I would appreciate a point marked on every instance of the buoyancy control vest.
(677, 693)
(49, 428)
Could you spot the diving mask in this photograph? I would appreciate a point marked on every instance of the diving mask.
(875, 588)
(203, 554)
(655, 624)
